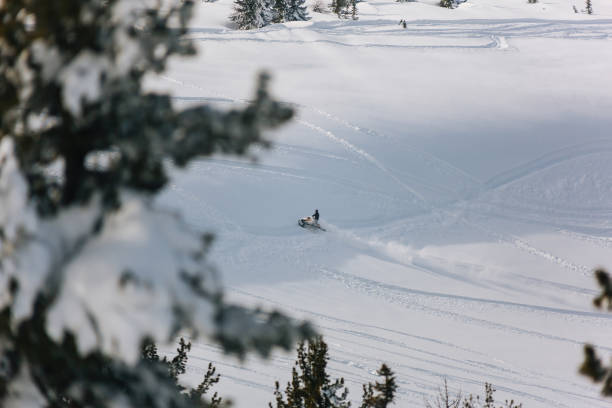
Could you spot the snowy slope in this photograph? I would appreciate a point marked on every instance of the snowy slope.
(463, 168)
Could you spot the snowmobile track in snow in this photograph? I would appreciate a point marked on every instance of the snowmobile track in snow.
(479, 33)
(453, 369)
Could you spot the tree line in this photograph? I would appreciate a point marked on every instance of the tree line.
(311, 385)
(250, 14)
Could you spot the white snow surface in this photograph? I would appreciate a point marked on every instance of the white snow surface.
(463, 169)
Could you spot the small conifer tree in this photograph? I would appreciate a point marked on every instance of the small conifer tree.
(335, 6)
(279, 11)
(250, 14)
(488, 401)
(296, 11)
(310, 386)
(592, 365)
(380, 394)
(447, 4)
(589, 7)
(354, 10)
(195, 397)
(341, 8)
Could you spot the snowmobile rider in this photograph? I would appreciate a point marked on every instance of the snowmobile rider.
(315, 216)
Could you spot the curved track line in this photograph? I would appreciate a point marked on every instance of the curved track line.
(548, 160)
(503, 368)
(437, 163)
(602, 242)
(392, 295)
(337, 275)
(422, 202)
(526, 247)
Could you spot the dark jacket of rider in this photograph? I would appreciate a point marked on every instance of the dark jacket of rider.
(316, 215)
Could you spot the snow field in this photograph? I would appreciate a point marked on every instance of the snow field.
(463, 169)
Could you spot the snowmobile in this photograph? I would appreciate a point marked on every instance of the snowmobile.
(310, 223)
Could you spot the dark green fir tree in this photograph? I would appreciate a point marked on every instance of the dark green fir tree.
(589, 7)
(310, 385)
(592, 365)
(447, 4)
(380, 394)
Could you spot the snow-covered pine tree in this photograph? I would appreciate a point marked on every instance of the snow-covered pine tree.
(310, 386)
(340, 7)
(589, 7)
(354, 10)
(279, 11)
(318, 6)
(84, 150)
(346, 11)
(296, 11)
(447, 4)
(335, 6)
(250, 14)
(269, 10)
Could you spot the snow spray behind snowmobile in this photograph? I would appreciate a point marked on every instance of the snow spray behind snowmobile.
(310, 223)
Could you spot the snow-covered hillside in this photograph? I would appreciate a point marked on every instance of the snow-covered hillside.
(463, 168)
